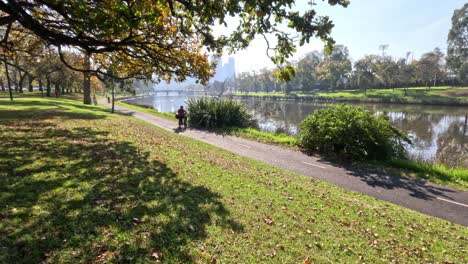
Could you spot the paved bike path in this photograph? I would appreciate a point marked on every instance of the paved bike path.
(427, 198)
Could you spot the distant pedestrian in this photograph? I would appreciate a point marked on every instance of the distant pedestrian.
(94, 99)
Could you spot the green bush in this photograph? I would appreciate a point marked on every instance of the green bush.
(218, 113)
(352, 133)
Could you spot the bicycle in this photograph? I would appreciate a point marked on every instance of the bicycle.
(182, 121)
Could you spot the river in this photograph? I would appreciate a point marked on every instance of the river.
(439, 133)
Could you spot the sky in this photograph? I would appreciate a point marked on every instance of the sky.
(417, 26)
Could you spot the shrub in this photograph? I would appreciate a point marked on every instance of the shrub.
(218, 113)
(353, 133)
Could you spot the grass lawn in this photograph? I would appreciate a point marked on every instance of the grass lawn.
(148, 110)
(78, 184)
(437, 173)
(6, 94)
(437, 95)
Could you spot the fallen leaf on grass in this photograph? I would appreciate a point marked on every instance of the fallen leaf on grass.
(268, 220)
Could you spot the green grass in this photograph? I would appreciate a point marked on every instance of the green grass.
(261, 136)
(149, 110)
(6, 94)
(437, 173)
(78, 184)
(436, 95)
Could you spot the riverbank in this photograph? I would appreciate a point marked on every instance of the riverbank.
(436, 173)
(456, 96)
(136, 192)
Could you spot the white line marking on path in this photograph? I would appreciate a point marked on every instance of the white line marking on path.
(245, 146)
(315, 165)
(448, 201)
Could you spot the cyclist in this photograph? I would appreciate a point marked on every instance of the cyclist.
(182, 116)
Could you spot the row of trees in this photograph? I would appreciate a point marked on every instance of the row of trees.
(27, 60)
(319, 70)
(30, 62)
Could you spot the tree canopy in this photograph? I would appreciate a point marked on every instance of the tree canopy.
(167, 39)
(457, 42)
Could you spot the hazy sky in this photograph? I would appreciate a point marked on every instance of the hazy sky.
(405, 25)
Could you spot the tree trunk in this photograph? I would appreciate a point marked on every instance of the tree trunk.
(30, 79)
(8, 81)
(48, 87)
(21, 81)
(40, 85)
(15, 79)
(57, 90)
(87, 82)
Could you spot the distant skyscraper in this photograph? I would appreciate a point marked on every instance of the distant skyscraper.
(225, 71)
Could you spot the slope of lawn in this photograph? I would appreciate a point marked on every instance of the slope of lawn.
(78, 184)
(436, 95)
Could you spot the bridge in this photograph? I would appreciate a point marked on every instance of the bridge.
(179, 92)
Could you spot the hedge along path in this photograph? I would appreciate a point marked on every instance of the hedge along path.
(424, 197)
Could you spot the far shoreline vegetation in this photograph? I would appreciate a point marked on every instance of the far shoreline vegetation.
(435, 173)
(442, 95)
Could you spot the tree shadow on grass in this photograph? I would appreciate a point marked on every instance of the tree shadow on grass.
(78, 196)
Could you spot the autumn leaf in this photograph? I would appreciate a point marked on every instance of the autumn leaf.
(281, 247)
(268, 220)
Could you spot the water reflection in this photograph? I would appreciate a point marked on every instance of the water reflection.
(438, 133)
(162, 103)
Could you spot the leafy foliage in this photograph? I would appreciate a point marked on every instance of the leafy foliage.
(350, 132)
(457, 41)
(166, 38)
(429, 67)
(214, 113)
